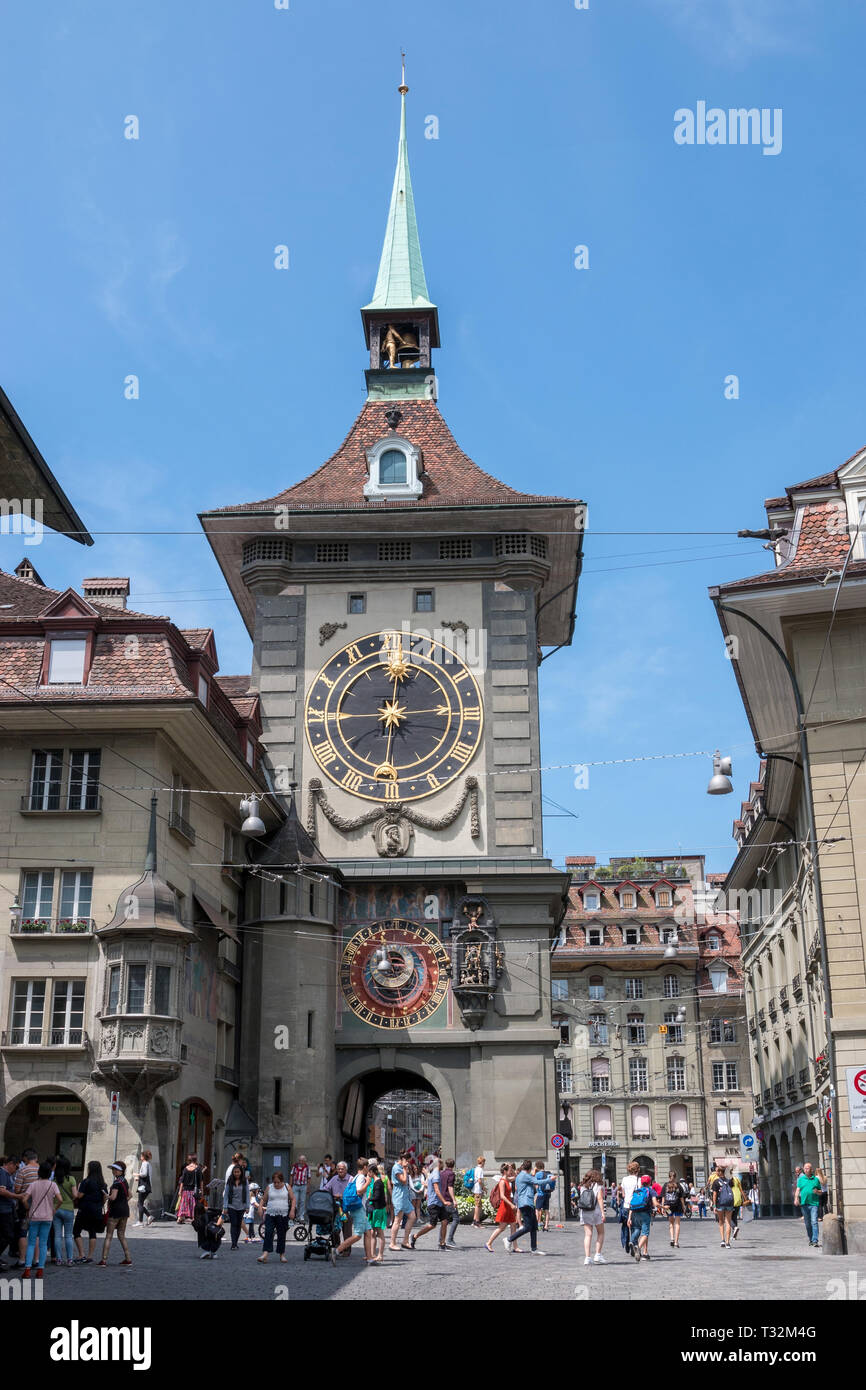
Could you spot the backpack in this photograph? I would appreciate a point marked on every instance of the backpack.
(496, 1195)
(641, 1198)
(469, 1180)
(587, 1201)
(725, 1199)
(351, 1200)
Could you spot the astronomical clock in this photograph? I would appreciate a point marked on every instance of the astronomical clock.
(394, 974)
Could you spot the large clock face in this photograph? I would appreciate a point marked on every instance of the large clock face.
(393, 716)
(394, 974)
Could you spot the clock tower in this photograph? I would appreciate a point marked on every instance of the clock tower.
(398, 927)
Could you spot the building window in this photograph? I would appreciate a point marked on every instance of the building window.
(602, 1121)
(332, 553)
(631, 937)
(678, 1122)
(202, 690)
(676, 1074)
(663, 897)
(393, 468)
(310, 1017)
(113, 989)
(637, 1074)
(596, 987)
(713, 942)
(675, 1030)
(456, 548)
(595, 936)
(162, 989)
(66, 661)
(590, 902)
(76, 892)
(45, 774)
(424, 601)
(67, 1013)
(640, 1118)
(28, 1011)
(357, 603)
(600, 1069)
(179, 805)
(719, 980)
(83, 793)
(672, 987)
(37, 899)
(251, 753)
(634, 988)
(725, 1076)
(564, 1034)
(136, 984)
(389, 551)
(559, 989)
(598, 1030)
(563, 1077)
(312, 902)
(636, 1030)
(722, 1031)
(668, 936)
(727, 1124)
(626, 899)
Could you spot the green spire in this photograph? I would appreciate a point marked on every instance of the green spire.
(401, 283)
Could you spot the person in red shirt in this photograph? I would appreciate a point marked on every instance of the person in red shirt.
(299, 1178)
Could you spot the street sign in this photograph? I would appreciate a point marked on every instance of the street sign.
(747, 1145)
(856, 1077)
(115, 1106)
(829, 1114)
(556, 1141)
(663, 1027)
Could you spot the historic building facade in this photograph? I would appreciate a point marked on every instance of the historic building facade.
(648, 999)
(398, 932)
(797, 641)
(119, 964)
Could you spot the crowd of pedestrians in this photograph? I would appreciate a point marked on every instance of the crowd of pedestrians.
(383, 1207)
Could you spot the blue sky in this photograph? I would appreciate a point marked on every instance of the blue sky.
(261, 126)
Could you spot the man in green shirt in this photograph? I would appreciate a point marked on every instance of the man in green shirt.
(809, 1198)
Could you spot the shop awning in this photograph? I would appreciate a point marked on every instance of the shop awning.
(213, 918)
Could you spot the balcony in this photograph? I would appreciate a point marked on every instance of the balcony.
(771, 1010)
(32, 806)
(768, 1096)
(181, 827)
(778, 1090)
(53, 927)
(783, 998)
(805, 1081)
(762, 1018)
(797, 986)
(44, 1037)
(791, 1085)
(226, 1076)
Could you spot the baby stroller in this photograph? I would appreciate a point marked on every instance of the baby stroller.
(323, 1235)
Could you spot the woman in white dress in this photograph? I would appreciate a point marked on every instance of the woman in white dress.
(590, 1205)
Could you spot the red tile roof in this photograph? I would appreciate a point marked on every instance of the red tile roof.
(450, 476)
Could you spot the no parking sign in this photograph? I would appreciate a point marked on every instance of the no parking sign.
(856, 1077)
(556, 1141)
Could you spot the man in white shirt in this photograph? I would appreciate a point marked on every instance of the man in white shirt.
(629, 1183)
(478, 1188)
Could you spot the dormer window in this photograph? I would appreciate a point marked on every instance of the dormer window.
(626, 898)
(66, 660)
(631, 936)
(395, 469)
(202, 690)
(590, 902)
(713, 942)
(663, 897)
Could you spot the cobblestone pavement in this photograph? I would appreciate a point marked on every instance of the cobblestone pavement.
(770, 1260)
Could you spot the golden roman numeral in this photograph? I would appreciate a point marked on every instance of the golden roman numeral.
(472, 712)
(351, 781)
(325, 681)
(354, 654)
(463, 752)
(433, 780)
(392, 791)
(326, 752)
(316, 716)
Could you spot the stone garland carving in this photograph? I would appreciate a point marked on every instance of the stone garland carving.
(327, 630)
(393, 826)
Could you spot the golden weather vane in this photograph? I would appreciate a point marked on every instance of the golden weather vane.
(403, 89)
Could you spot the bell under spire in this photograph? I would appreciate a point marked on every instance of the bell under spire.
(401, 322)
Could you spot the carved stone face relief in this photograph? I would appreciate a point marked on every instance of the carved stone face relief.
(392, 836)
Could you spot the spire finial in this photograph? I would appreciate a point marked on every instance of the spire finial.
(150, 857)
(403, 89)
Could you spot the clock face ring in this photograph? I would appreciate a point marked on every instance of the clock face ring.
(393, 716)
(394, 974)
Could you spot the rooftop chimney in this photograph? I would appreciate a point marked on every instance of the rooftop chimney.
(111, 592)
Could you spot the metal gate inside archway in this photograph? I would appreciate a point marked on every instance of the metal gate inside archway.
(387, 1113)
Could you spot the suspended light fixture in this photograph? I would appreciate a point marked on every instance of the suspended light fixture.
(253, 824)
(672, 948)
(720, 782)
